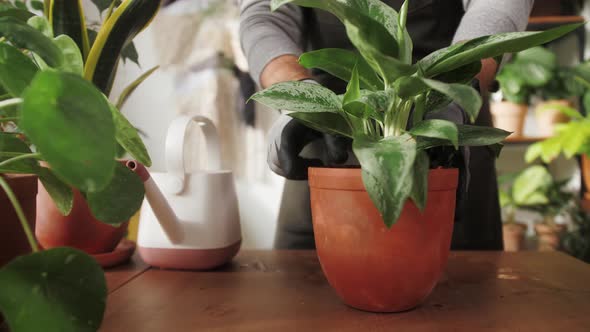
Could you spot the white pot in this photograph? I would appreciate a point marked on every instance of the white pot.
(549, 117)
(509, 116)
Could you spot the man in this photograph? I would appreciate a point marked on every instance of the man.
(273, 42)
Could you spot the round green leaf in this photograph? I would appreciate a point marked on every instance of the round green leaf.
(25, 36)
(71, 124)
(57, 290)
(16, 70)
(120, 200)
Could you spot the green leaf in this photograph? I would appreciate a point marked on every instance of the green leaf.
(70, 122)
(24, 36)
(11, 143)
(37, 5)
(19, 14)
(465, 96)
(60, 193)
(388, 67)
(462, 54)
(120, 200)
(20, 5)
(16, 70)
(299, 97)
(329, 123)
(129, 52)
(74, 63)
(41, 24)
(339, 63)
(420, 180)
(116, 33)
(372, 26)
(468, 136)
(55, 290)
(128, 91)
(67, 18)
(566, 110)
(128, 137)
(531, 186)
(387, 172)
(437, 129)
(353, 90)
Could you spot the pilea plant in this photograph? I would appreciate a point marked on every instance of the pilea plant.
(386, 89)
(528, 70)
(55, 85)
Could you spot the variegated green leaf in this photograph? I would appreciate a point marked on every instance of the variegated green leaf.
(299, 97)
(67, 18)
(116, 33)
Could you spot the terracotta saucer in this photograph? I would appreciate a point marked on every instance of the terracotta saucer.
(120, 255)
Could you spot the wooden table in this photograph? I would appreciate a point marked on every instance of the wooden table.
(286, 291)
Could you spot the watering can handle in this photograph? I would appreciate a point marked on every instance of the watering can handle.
(175, 145)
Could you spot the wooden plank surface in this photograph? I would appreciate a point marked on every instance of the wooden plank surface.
(286, 291)
(120, 275)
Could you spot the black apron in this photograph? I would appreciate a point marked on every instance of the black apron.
(432, 25)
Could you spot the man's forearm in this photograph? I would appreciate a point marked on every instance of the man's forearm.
(282, 69)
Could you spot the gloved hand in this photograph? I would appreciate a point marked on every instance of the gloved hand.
(447, 156)
(287, 139)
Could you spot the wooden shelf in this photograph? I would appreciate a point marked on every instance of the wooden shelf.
(524, 140)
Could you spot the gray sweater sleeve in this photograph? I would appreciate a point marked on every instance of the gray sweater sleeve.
(486, 17)
(266, 35)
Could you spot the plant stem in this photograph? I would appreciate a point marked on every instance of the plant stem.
(19, 212)
(20, 157)
(10, 102)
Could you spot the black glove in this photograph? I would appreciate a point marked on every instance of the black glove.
(288, 137)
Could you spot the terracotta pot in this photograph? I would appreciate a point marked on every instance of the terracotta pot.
(549, 117)
(371, 267)
(549, 236)
(79, 229)
(13, 241)
(513, 235)
(509, 116)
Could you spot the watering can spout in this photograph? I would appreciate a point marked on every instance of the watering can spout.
(162, 210)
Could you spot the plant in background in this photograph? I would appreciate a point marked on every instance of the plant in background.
(529, 69)
(571, 139)
(55, 85)
(385, 88)
(536, 190)
(577, 241)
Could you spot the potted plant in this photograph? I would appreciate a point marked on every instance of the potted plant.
(535, 189)
(566, 83)
(82, 225)
(570, 139)
(63, 130)
(516, 192)
(529, 69)
(371, 223)
(576, 242)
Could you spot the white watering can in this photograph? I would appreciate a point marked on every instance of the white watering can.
(188, 220)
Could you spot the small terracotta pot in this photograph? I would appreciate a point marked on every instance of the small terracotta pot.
(513, 234)
(549, 117)
(549, 236)
(13, 241)
(509, 116)
(371, 267)
(79, 229)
